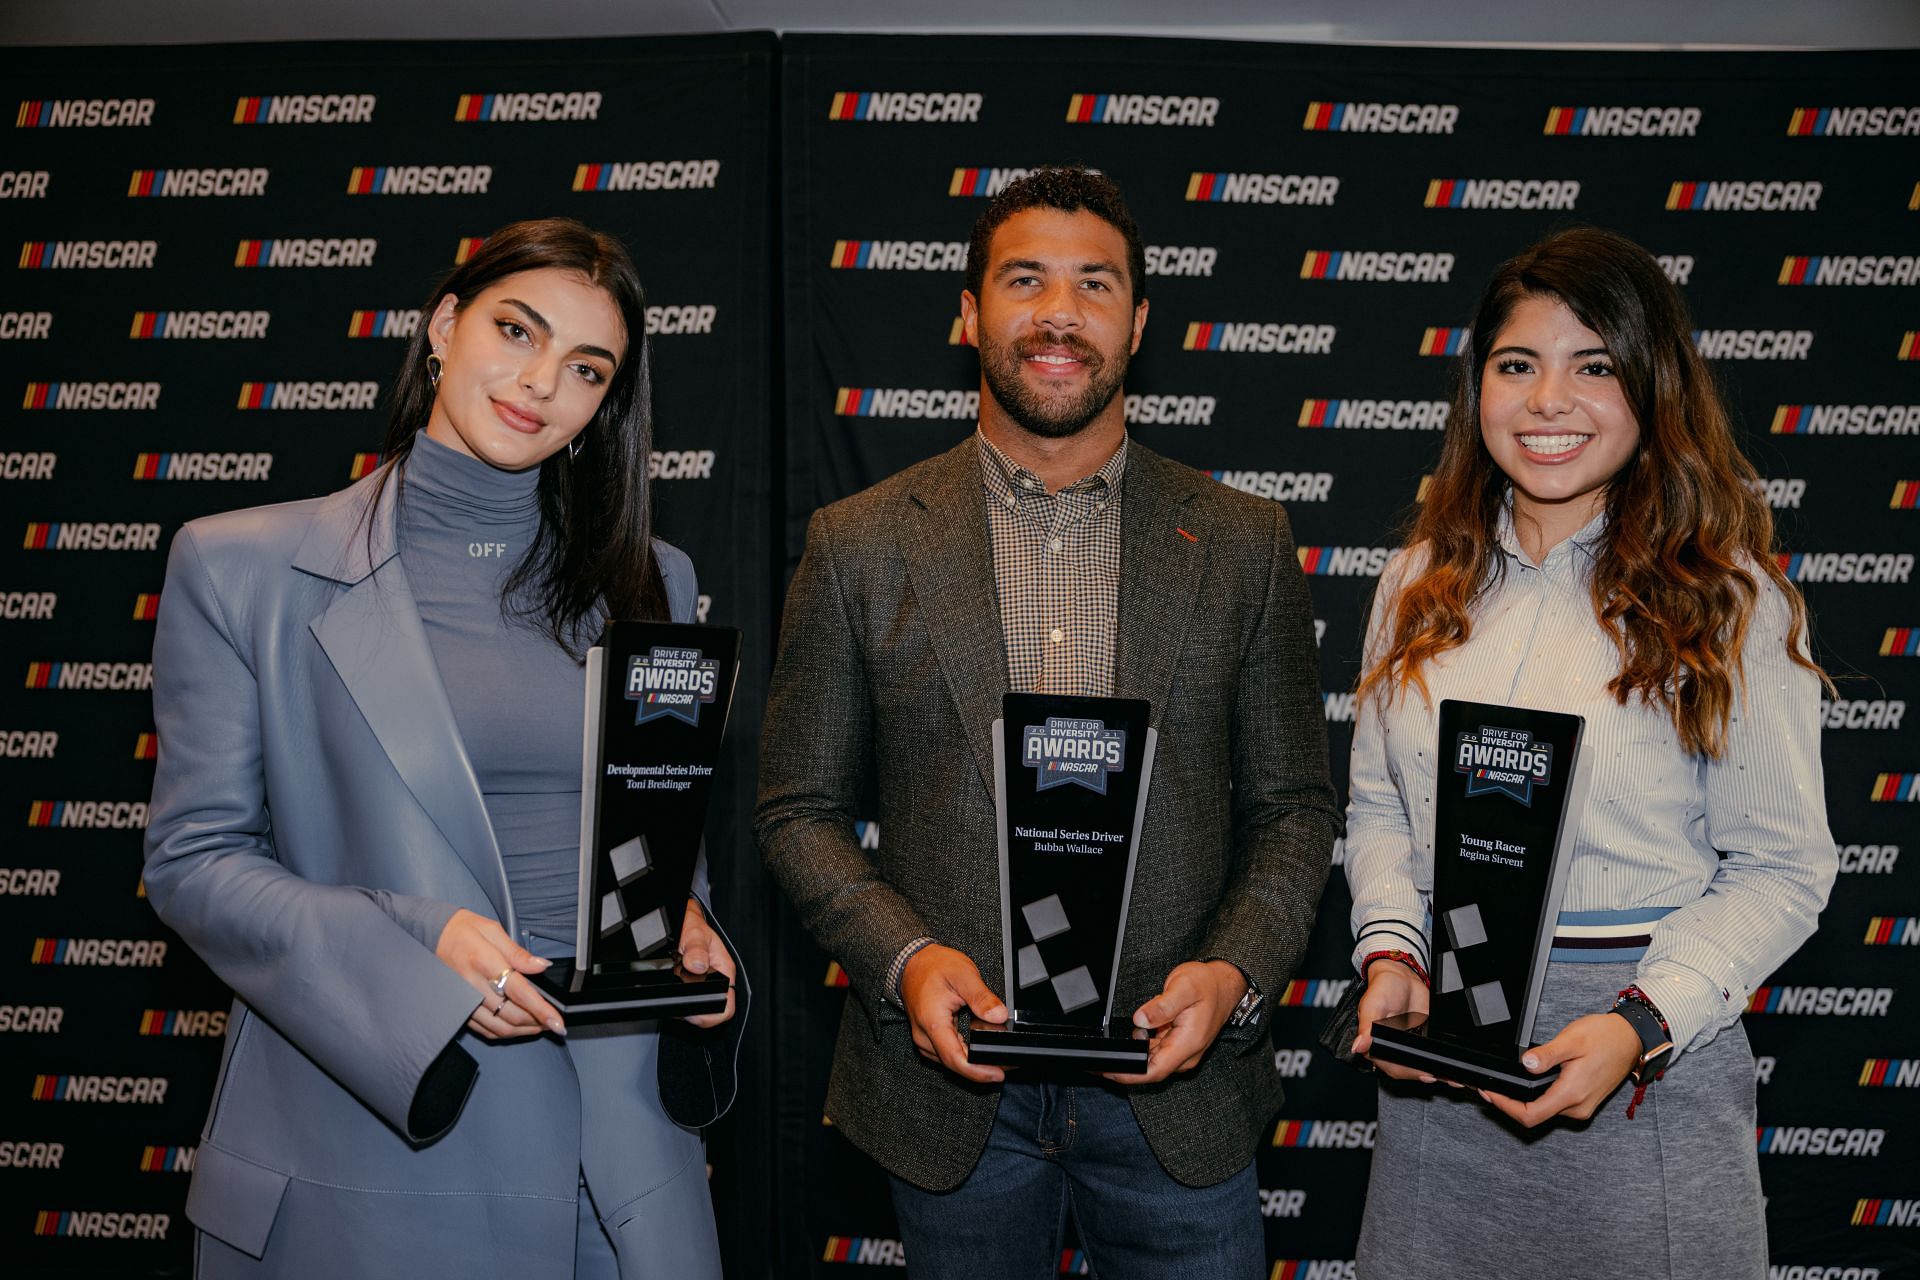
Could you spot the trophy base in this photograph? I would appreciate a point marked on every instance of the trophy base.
(642, 989)
(1118, 1046)
(1404, 1041)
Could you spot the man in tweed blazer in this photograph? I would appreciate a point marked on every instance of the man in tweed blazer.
(1049, 552)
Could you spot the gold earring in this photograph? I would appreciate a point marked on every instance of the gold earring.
(574, 446)
(434, 367)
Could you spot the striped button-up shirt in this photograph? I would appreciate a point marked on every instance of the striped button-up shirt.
(1738, 846)
(1056, 569)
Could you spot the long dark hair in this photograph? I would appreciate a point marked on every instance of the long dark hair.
(1673, 579)
(594, 549)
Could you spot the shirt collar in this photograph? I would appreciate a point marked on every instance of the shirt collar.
(1583, 538)
(1006, 479)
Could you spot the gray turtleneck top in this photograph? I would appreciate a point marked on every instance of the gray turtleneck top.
(516, 695)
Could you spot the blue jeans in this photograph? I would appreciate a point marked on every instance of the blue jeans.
(1056, 1147)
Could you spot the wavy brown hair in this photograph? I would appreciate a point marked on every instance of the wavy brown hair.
(1674, 575)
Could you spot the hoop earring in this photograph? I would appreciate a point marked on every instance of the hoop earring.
(574, 446)
(434, 367)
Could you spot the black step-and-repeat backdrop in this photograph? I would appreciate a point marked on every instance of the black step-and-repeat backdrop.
(212, 260)
(219, 249)
(1320, 222)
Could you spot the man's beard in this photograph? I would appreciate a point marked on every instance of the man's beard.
(1051, 416)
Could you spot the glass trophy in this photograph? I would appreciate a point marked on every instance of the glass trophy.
(1509, 793)
(1070, 789)
(658, 695)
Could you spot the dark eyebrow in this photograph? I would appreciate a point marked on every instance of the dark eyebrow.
(1099, 267)
(1518, 351)
(540, 323)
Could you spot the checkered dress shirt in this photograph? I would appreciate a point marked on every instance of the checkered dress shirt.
(1056, 567)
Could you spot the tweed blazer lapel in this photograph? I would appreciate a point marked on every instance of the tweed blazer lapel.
(374, 638)
(1163, 554)
(949, 563)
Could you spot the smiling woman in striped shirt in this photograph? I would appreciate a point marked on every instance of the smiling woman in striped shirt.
(1592, 543)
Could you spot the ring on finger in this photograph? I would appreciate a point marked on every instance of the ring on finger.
(495, 1011)
(499, 984)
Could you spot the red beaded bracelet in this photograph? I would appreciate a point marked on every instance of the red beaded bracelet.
(1406, 958)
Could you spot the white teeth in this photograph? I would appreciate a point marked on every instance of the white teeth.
(1553, 444)
(1053, 359)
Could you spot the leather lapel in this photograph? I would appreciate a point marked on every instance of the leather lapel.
(374, 638)
(949, 563)
(1160, 573)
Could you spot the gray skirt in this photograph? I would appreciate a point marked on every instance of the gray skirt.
(1459, 1191)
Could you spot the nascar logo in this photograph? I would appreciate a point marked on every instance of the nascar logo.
(1343, 561)
(307, 395)
(1281, 339)
(1745, 196)
(1622, 122)
(468, 246)
(1349, 264)
(870, 1250)
(87, 255)
(836, 976)
(1807, 122)
(531, 107)
(1893, 931)
(907, 108)
(146, 747)
(646, 175)
(1824, 269)
(1444, 342)
(92, 535)
(1906, 495)
(86, 113)
(1141, 108)
(898, 255)
(419, 180)
(983, 182)
(305, 108)
(1314, 993)
(167, 1159)
(365, 464)
(383, 324)
(1846, 419)
(202, 466)
(1901, 642)
(1418, 415)
(1342, 1134)
(1311, 1269)
(146, 607)
(199, 324)
(1502, 193)
(1380, 117)
(1890, 1073)
(313, 252)
(94, 1225)
(197, 182)
(1263, 188)
(183, 1022)
(1895, 787)
(1886, 1213)
(1909, 345)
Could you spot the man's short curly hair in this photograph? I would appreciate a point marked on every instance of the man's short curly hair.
(1069, 190)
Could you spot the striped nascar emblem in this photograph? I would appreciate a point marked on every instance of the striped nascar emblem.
(1906, 495)
(43, 675)
(1085, 108)
(1900, 642)
(1892, 931)
(1805, 122)
(473, 106)
(1318, 413)
(366, 180)
(836, 976)
(146, 747)
(146, 606)
(853, 402)
(1798, 270)
(252, 253)
(1444, 342)
(957, 335)
(468, 246)
(364, 465)
(254, 395)
(1324, 117)
(970, 182)
(1562, 121)
(1909, 345)
(1321, 264)
(166, 1159)
(1883, 1073)
(145, 182)
(1893, 787)
(40, 395)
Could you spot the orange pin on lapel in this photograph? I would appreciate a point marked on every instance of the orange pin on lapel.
(1183, 533)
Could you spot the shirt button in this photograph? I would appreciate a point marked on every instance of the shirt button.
(1053, 544)
(1056, 635)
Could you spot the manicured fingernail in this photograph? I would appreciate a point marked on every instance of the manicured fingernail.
(1426, 1080)
(556, 1026)
(696, 964)
(544, 962)
(1532, 1063)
